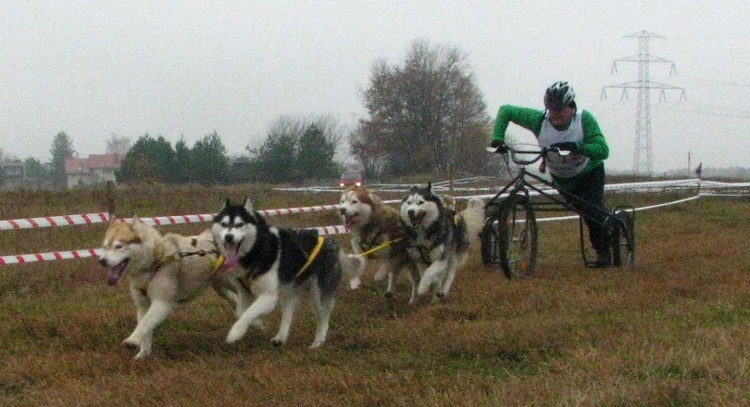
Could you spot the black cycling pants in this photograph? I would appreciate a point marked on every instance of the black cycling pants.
(586, 196)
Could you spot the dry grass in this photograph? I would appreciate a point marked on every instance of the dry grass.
(672, 332)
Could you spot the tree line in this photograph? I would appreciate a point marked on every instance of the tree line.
(425, 116)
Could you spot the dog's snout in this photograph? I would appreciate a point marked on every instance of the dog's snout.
(410, 212)
(342, 211)
(229, 238)
(103, 261)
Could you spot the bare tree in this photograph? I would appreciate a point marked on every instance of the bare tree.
(118, 144)
(425, 116)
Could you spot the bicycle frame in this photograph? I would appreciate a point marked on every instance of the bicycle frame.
(520, 185)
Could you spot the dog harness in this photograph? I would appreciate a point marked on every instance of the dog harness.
(381, 246)
(178, 255)
(312, 256)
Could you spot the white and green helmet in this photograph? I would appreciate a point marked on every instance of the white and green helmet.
(559, 95)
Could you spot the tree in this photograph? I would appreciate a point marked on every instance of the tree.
(182, 162)
(425, 116)
(315, 157)
(277, 156)
(36, 173)
(209, 164)
(298, 149)
(62, 148)
(148, 160)
(118, 145)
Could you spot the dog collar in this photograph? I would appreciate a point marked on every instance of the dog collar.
(217, 264)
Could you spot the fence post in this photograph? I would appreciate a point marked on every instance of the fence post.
(110, 200)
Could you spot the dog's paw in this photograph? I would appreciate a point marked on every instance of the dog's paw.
(316, 344)
(236, 333)
(355, 283)
(439, 298)
(131, 342)
(276, 342)
(422, 289)
(389, 294)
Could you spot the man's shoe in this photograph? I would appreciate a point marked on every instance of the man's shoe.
(603, 259)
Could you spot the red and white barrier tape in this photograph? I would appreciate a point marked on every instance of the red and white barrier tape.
(32, 258)
(52, 221)
(68, 220)
(91, 218)
(80, 254)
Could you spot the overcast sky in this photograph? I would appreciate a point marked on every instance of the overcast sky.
(187, 68)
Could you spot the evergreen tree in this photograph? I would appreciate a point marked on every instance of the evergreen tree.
(182, 162)
(209, 164)
(62, 148)
(277, 156)
(148, 160)
(315, 158)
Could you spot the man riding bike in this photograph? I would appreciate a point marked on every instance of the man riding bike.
(578, 173)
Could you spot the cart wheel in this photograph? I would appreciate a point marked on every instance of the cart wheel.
(623, 239)
(517, 237)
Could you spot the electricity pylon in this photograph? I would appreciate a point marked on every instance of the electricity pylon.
(642, 161)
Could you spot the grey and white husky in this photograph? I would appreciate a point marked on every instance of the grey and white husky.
(438, 240)
(281, 264)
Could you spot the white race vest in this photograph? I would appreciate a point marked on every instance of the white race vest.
(563, 166)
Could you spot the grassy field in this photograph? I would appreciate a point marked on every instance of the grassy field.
(672, 332)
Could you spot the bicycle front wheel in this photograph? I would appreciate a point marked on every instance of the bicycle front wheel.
(517, 237)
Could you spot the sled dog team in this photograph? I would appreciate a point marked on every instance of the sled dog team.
(256, 266)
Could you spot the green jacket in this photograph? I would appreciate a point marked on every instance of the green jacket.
(594, 145)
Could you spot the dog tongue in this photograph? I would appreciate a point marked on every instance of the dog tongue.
(352, 220)
(114, 276)
(230, 258)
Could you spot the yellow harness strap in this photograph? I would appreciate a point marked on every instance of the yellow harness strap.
(312, 256)
(384, 245)
(217, 265)
(163, 260)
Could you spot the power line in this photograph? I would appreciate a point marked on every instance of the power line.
(717, 83)
(701, 112)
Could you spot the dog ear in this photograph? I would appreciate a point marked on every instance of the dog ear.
(248, 205)
(429, 187)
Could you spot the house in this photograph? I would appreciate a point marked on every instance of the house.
(14, 174)
(96, 169)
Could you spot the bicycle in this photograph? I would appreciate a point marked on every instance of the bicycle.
(510, 235)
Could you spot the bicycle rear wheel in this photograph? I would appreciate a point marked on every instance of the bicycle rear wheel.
(623, 239)
(517, 237)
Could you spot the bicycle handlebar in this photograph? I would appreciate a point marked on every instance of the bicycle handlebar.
(515, 154)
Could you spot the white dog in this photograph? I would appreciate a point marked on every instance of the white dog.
(165, 271)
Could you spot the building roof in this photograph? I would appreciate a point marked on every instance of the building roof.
(94, 161)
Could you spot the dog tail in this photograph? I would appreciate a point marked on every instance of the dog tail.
(352, 266)
(473, 215)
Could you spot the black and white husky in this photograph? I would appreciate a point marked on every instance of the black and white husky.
(280, 264)
(438, 240)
